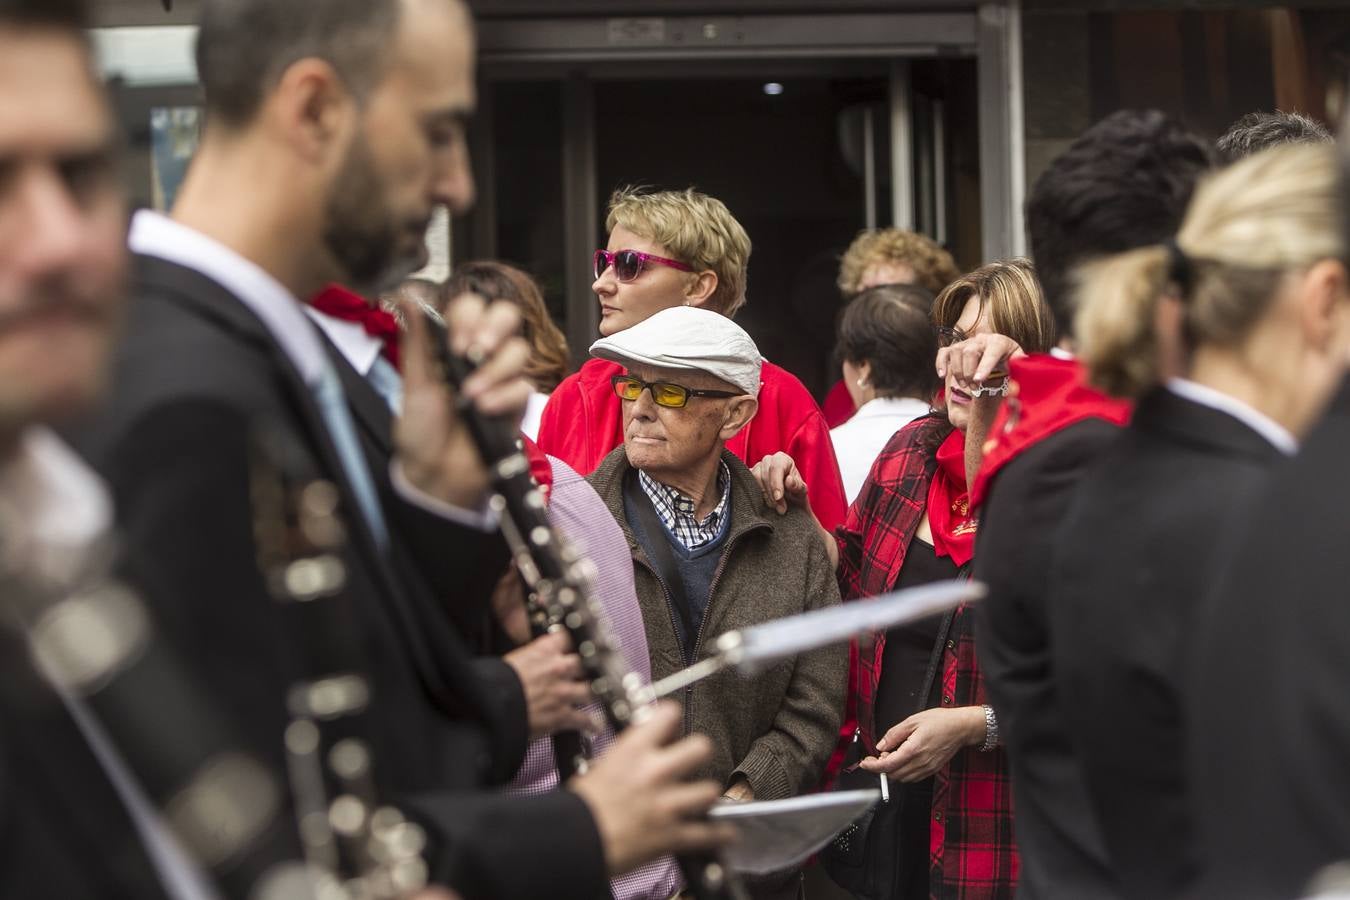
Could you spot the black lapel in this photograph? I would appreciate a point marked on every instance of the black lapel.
(213, 301)
(370, 410)
(206, 297)
(1193, 423)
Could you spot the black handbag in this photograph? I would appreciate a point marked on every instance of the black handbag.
(862, 859)
(857, 859)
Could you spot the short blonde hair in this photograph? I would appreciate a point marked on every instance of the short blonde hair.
(933, 266)
(698, 230)
(1246, 228)
(1009, 291)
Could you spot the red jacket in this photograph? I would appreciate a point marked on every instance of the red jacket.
(838, 406)
(583, 422)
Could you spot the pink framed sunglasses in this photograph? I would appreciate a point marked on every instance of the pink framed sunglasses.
(628, 264)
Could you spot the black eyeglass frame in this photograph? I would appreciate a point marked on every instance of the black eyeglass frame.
(949, 334)
(687, 392)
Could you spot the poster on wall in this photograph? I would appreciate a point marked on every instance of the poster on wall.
(174, 133)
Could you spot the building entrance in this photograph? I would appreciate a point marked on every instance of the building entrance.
(806, 151)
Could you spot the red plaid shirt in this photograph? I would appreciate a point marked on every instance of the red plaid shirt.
(971, 848)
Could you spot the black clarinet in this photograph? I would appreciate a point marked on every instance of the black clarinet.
(98, 646)
(355, 846)
(228, 809)
(561, 588)
(515, 490)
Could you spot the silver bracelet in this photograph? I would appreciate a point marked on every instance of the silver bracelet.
(990, 730)
(998, 390)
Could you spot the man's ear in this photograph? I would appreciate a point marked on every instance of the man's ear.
(701, 288)
(312, 111)
(1322, 309)
(739, 413)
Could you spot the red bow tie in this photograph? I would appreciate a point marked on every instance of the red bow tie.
(540, 468)
(340, 303)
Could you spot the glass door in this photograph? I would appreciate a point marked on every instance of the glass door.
(804, 155)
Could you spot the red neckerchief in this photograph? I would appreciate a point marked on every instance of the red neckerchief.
(540, 470)
(1052, 394)
(340, 303)
(949, 502)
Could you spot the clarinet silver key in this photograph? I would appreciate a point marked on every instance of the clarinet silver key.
(356, 847)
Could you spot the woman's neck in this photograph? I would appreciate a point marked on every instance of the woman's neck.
(1288, 399)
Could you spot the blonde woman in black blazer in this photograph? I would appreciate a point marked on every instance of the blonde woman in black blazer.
(1231, 337)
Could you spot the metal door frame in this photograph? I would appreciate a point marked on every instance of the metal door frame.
(581, 51)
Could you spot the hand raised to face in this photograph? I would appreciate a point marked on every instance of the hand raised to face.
(435, 449)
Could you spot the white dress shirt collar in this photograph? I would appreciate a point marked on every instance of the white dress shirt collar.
(355, 344)
(54, 511)
(153, 234)
(1279, 436)
(891, 407)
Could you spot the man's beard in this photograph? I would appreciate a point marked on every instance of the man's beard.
(360, 232)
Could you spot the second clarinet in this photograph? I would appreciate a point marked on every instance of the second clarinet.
(560, 590)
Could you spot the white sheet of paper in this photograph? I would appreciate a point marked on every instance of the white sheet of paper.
(780, 834)
(765, 644)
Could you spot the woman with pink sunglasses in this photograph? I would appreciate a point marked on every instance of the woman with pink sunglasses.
(683, 248)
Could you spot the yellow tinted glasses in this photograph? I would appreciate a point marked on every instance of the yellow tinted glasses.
(665, 393)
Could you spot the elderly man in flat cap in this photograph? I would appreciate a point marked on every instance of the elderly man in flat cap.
(709, 556)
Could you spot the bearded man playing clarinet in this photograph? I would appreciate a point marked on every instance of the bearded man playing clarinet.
(709, 556)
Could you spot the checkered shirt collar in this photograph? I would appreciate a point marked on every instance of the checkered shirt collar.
(676, 511)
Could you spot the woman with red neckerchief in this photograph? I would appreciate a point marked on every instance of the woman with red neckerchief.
(923, 719)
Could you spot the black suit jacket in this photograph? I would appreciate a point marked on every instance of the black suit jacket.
(197, 371)
(1270, 698)
(1140, 545)
(63, 829)
(426, 552)
(1057, 835)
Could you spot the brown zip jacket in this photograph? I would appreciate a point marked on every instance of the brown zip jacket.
(776, 728)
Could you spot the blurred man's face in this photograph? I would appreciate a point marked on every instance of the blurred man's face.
(62, 228)
(410, 155)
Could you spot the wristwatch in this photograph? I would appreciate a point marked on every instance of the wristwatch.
(990, 729)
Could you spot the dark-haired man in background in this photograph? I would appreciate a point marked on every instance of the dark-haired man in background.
(1124, 183)
(334, 129)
